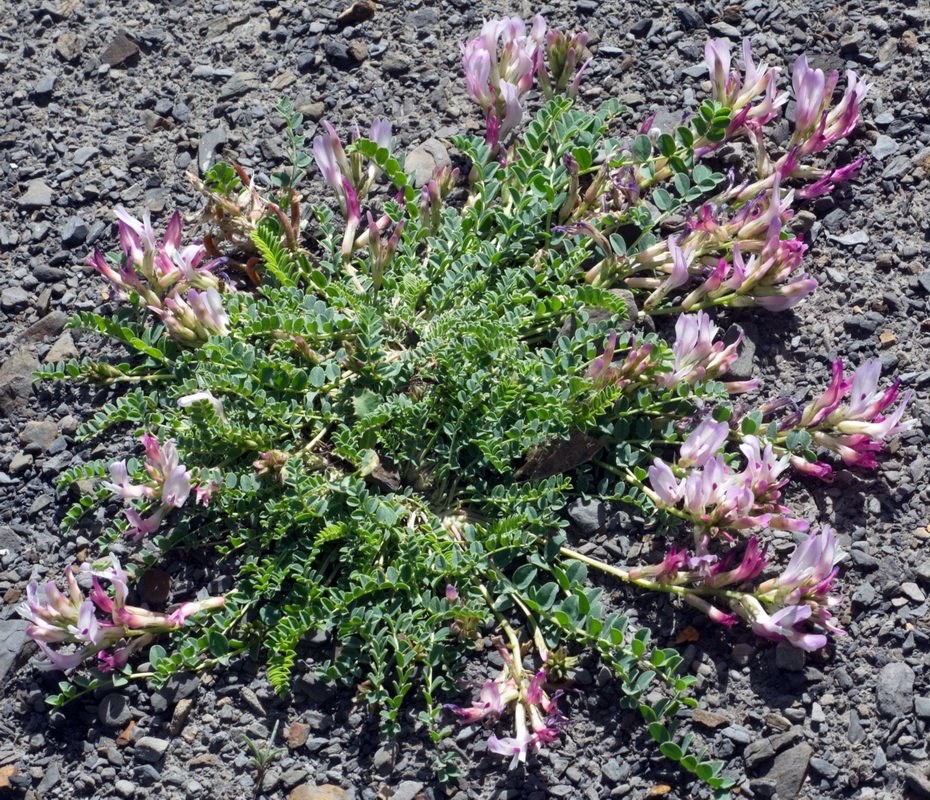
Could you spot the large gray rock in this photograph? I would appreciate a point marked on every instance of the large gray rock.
(424, 160)
(790, 769)
(150, 749)
(206, 149)
(895, 690)
(38, 194)
(16, 381)
(15, 647)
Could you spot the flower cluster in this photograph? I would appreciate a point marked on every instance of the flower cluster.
(697, 357)
(716, 498)
(734, 250)
(760, 268)
(537, 717)
(351, 181)
(465, 624)
(501, 64)
(170, 482)
(854, 430)
(72, 618)
(604, 371)
(175, 283)
(779, 608)
(271, 464)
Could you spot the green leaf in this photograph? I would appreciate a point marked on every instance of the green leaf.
(219, 644)
(365, 403)
(547, 595)
(524, 576)
(642, 148)
(584, 158)
(156, 653)
(671, 750)
(798, 440)
(665, 144)
(617, 244)
(659, 732)
(662, 199)
(317, 377)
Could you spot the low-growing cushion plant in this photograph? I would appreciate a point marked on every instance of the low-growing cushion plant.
(376, 418)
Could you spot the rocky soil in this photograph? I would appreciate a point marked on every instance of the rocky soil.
(110, 103)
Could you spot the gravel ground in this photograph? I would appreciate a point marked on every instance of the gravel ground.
(108, 103)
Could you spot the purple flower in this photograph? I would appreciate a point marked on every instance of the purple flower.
(664, 483)
(121, 485)
(717, 57)
(703, 443)
(812, 92)
(813, 561)
(866, 402)
(785, 625)
(490, 704)
(517, 746)
(135, 236)
(751, 566)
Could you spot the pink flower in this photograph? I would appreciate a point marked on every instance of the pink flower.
(751, 566)
(817, 411)
(176, 488)
(717, 56)
(353, 216)
(178, 618)
(57, 660)
(812, 92)
(517, 746)
(490, 704)
(121, 485)
(664, 483)
(476, 62)
(120, 657)
(713, 613)
(819, 469)
(703, 443)
(785, 625)
(509, 97)
(205, 491)
(813, 561)
(139, 527)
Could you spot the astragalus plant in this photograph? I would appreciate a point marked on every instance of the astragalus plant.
(376, 416)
